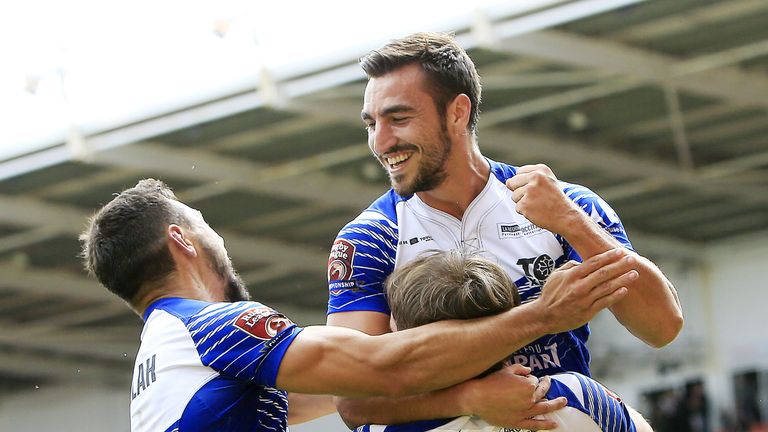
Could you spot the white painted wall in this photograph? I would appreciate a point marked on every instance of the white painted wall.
(725, 300)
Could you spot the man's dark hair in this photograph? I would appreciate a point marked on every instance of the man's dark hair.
(125, 245)
(449, 70)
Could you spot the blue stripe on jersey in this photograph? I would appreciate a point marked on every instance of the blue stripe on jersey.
(225, 404)
(242, 398)
(235, 352)
(178, 307)
(502, 172)
(374, 236)
(225, 347)
(599, 211)
(607, 411)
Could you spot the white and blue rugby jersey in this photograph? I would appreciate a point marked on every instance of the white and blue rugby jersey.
(396, 229)
(591, 408)
(210, 367)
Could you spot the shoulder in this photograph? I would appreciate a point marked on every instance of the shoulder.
(252, 317)
(379, 219)
(592, 203)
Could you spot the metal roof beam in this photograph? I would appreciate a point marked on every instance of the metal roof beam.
(726, 83)
(71, 220)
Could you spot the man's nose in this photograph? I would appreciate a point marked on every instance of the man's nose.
(381, 140)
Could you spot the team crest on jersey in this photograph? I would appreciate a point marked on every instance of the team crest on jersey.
(262, 322)
(340, 260)
(537, 269)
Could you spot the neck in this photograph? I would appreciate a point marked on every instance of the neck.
(180, 283)
(468, 172)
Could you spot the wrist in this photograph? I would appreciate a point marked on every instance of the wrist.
(574, 222)
(463, 395)
(537, 318)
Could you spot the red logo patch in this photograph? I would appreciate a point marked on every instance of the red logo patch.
(340, 260)
(262, 322)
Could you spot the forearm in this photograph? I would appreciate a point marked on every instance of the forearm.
(381, 410)
(345, 362)
(424, 361)
(651, 309)
(426, 364)
(334, 360)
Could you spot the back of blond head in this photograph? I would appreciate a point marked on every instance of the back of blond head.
(448, 285)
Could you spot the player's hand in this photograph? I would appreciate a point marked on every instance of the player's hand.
(575, 292)
(511, 397)
(539, 197)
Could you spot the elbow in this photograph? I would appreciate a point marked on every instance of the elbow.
(349, 412)
(668, 331)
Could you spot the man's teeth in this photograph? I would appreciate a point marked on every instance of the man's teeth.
(397, 159)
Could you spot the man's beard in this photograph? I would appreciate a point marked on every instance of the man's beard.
(221, 264)
(431, 171)
(236, 289)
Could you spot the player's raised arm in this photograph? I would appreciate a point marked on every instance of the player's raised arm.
(651, 310)
(348, 362)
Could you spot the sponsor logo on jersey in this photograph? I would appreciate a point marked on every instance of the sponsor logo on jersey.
(513, 230)
(414, 240)
(340, 260)
(262, 322)
(538, 357)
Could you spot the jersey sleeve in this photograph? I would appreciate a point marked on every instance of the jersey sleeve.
(599, 211)
(606, 409)
(361, 258)
(244, 340)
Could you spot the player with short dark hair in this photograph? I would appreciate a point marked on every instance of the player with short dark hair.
(211, 360)
(420, 109)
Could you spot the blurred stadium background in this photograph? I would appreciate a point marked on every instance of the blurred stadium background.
(251, 113)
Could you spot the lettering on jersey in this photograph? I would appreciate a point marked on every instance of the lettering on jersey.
(513, 230)
(615, 230)
(340, 260)
(537, 269)
(144, 376)
(337, 287)
(262, 322)
(414, 240)
(538, 357)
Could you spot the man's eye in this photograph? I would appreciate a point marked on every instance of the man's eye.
(370, 126)
(399, 119)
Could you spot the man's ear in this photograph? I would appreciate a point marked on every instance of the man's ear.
(178, 239)
(458, 113)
